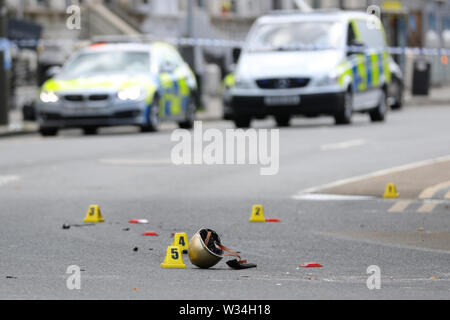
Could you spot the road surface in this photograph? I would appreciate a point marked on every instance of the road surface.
(48, 182)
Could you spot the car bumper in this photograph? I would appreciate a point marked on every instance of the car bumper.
(308, 105)
(57, 116)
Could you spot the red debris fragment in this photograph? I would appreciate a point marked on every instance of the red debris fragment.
(311, 265)
(141, 221)
(273, 220)
(150, 234)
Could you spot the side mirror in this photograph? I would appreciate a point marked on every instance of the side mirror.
(52, 72)
(236, 54)
(167, 67)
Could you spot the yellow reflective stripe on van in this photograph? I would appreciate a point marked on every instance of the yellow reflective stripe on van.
(387, 71)
(362, 71)
(344, 70)
(375, 69)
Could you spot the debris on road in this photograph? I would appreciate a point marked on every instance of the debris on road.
(138, 221)
(154, 234)
(135, 249)
(241, 264)
(11, 277)
(311, 265)
(66, 226)
(126, 229)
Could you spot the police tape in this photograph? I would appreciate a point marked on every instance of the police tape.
(218, 43)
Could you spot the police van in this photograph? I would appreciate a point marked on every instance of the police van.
(331, 63)
(114, 84)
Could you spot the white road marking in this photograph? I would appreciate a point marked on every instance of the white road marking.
(136, 162)
(329, 197)
(428, 193)
(4, 180)
(400, 206)
(343, 145)
(375, 174)
(427, 207)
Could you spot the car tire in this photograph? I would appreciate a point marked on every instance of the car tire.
(153, 119)
(90, 131)
(190, 116)
(398, 94)
(379, 113)
(283, 121)
(344, 115)
(48, 132)
(242, 122)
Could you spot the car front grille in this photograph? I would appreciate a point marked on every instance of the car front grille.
(74, 97)
(282, 83)
(81, 98)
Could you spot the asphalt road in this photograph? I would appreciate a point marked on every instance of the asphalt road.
(45, 183)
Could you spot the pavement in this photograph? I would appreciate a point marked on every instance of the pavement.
(48, 182)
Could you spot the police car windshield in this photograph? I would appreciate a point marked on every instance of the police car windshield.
(293, 36)
(107, 63)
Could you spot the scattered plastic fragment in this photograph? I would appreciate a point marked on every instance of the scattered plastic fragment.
(154, 234)
(311, 265)
(126, 229)
(420, 229)
(135, 249)
(239, 265)
(66, 226)
(138, 221)
(11, 277)
(273, 220)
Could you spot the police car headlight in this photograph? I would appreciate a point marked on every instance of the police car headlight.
(329, 80)
(132, 93)
(48, 97)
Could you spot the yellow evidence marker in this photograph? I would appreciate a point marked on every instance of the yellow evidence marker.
(391, 191)
(181, 240)
(257, 214)
(173, 259)
(94, 215)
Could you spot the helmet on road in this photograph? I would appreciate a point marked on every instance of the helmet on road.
(205, 249)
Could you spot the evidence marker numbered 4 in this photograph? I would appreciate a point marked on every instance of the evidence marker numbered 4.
(232, 309)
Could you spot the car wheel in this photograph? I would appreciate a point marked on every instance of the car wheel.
(242, 122)
(345, 113)
(48, 132)
(90, 131)
(398, 89)
(190, 116)
(283, 121)
(153, 119)
(379, 113)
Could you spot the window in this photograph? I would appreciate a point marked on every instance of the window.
(296, 36)
(107, 63)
